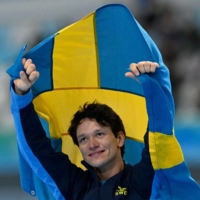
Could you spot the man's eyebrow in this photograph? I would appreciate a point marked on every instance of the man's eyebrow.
(95, 131)
(99, 130)
(82, 135)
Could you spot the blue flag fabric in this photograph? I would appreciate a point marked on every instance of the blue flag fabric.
(14, 70)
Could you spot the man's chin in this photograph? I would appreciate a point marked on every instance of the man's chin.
(95, 164)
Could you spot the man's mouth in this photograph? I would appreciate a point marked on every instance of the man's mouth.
(96, 153)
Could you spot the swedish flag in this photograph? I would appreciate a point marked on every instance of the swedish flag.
(86, 61)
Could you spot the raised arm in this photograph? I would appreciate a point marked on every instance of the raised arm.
(172, 178)
(54, 169)
(143, 171)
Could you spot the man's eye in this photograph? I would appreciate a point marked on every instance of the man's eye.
(100, 134)
(82, 140)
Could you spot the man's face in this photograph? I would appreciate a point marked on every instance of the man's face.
(98, 145)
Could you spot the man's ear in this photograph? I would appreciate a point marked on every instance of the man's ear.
(120, 138)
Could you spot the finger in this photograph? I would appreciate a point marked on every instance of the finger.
(23, 77)
(34, 76)
(147, 67)
(23, 61)
(129, 74)
(134, 69)
(153, 67)
(27, 63)
(31, 67)
(21, 84)
(140, 67)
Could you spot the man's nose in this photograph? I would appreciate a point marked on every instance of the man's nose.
(93, 143)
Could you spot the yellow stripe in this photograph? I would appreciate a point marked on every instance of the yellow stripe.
(74, 56)
(165, 151)
(72, 151)
(58, 107)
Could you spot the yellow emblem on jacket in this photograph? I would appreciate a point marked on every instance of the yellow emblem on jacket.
(121, 191)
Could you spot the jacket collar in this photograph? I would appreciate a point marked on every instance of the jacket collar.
(93, 173)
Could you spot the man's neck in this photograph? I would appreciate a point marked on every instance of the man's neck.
(106, 173)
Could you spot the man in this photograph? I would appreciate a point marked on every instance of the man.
(100, 135)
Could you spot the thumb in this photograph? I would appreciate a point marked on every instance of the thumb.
(24, 78)
(22, 84)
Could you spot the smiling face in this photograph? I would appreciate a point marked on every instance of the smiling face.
(98, 145)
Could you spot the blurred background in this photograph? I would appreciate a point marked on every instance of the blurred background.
(173, 25)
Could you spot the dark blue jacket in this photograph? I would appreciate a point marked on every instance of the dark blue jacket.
(64, 179)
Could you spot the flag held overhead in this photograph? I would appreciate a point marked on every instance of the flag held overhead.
(86, 61)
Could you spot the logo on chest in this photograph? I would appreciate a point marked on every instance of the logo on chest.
(121, 191)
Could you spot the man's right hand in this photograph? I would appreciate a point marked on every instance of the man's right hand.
(27, 78)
